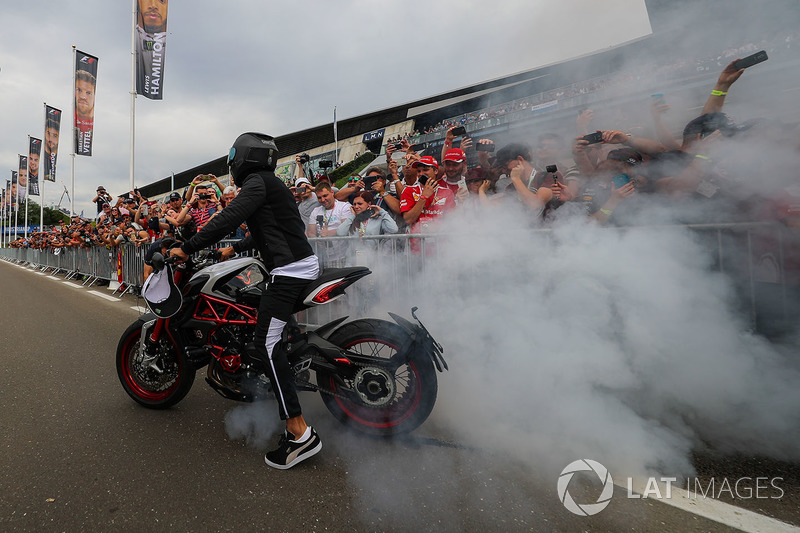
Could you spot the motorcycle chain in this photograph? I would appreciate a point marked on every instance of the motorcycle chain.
(329, 392)
(324, 391)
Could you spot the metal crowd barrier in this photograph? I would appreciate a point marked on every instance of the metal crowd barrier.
(769, 301)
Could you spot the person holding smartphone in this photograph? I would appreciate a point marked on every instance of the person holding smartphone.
(353, 186)
(305, 197)
(613, 182)
(422, 204)
(201, 207)
(366, 218)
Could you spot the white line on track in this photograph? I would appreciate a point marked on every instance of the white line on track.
(139, 309)
(718, 511)
(104, 296)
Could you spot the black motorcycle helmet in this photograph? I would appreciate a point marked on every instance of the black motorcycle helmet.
(251, 152)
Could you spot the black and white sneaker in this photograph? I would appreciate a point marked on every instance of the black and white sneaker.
(289, 452)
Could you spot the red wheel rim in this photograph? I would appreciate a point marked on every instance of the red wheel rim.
(395, 413)
(133, 382)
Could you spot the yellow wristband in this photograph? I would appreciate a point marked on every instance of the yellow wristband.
(718, 93)
(704, 158)
(606, 212)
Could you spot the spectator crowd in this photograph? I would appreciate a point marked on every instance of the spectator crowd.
(610, 176)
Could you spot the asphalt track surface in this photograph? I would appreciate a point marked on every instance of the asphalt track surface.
(79, 455)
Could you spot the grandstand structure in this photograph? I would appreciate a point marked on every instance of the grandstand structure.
(612, 82)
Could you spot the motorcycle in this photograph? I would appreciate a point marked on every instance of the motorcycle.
(374, 375)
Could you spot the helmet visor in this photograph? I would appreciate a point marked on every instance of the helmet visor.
(231, 155)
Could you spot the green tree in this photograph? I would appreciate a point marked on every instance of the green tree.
(51, 216)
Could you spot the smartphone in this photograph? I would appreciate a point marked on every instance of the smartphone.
(659, 97)
(461, 130)
(620, 180)
(594, 138)
(483, 147)
(749, 61)
(368, 181)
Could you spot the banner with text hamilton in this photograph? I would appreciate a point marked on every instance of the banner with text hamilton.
(151, 45)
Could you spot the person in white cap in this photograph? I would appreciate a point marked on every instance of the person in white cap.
(305, 197)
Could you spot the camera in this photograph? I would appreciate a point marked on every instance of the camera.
(461, 130)
(320, 222)
(300, 189)
(593, 138)
(325, 163)
(484, 147)
(304, 158)
(551, 169)
(204, 196)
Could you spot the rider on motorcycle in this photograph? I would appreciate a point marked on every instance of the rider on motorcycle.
(278, 233)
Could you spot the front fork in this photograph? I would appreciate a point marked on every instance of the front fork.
(150, 360)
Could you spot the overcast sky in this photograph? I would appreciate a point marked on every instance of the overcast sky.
(276, 67)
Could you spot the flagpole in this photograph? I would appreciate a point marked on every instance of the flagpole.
(3, 221)
(41, 150)
(16, 211)
(133, 89)
(335, 137)
(26, 213)
(5, 226)
(72, 183)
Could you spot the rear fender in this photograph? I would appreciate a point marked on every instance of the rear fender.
(318, 339)
(422, 342)
(325, 330)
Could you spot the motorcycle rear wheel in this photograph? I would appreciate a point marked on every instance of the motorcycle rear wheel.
(402, 399)
(158, 378)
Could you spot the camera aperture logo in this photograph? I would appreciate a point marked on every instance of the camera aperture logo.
(743, 488)
(585, 509)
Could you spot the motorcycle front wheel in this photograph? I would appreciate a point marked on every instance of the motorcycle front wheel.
(377, 400)
(156, 374)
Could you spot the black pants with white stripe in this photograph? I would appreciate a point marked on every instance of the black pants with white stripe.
(276, 307)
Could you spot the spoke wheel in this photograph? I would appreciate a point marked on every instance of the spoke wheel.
(376, 399)
(157, 376)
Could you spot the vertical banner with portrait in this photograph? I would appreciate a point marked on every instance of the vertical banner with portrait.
(14, 190)
(8, 196)
(34, 154)
(85, 85)
(151, 45)
(22, 178)
(52, 127)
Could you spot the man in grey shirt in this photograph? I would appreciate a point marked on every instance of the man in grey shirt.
(305, 198)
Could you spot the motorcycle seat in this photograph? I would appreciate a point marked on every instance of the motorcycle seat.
(332, 274)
